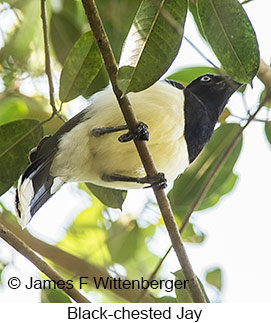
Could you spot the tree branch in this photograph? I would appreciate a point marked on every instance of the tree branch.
(264, 75)
(142, 148)
(23, 249)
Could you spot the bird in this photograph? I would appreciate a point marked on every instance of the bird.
(96, 146)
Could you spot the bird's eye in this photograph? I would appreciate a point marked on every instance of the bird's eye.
(205, 78)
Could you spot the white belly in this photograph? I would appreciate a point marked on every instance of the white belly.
(82, 157)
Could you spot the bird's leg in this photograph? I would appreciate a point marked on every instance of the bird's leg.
(97, 132)
(139, 133)
(157, 181)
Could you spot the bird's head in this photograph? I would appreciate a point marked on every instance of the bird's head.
(213, 91)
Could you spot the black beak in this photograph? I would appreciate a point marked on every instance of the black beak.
(230, 84)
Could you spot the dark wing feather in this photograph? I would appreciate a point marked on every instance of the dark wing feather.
(35, 184)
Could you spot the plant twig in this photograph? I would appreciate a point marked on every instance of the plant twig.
(264, 75)
(142, 148)
(48, 60)
(23, 249)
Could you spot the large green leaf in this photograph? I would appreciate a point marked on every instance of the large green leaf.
(17, 138)
(80, 68)
(151, 45)
(194, 11)
(116, 17)
(189, 185)
(109, 197)
(231, 36)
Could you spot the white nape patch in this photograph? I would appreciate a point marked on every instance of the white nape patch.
(25, 195)
(56, 185)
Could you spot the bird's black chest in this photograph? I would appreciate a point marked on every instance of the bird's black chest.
(199, 125)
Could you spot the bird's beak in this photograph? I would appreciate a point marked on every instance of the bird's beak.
(231, 84)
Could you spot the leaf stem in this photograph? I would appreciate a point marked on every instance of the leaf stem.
(142, 148)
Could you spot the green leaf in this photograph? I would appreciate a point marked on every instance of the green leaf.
(140, 258)
(100, 82)
(17, 138)
(231, 36)
(267, 130)
(63, 33)
(189, 185)
(214, 277)
(49, 295)
(151, 45)
(188, 74)
(183, 294)
(109, 197)
(86, 237)
(80, 68)
(189, 234)
(194, 11)
(12, 108)
(123, 240)
(117, 25)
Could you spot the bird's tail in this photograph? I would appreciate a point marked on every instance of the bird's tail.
(36, 185)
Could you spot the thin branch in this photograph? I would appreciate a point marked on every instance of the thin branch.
(201, 53)
(23, 249)
(264, 75)
(246, 118)
(142, 148)
(48, 60)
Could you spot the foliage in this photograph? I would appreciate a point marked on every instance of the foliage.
(120, 244)
(214, 277)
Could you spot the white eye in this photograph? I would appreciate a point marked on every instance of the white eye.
(205, 78)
